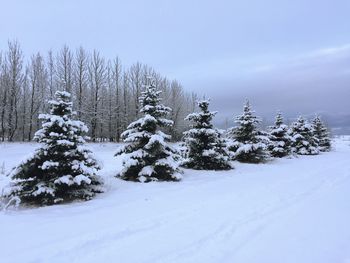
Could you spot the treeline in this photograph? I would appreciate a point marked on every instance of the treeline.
(105, 93)
(62, 170)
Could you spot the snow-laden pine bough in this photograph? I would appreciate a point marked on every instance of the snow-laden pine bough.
(205, 146)
(148, 156)
(61, 169)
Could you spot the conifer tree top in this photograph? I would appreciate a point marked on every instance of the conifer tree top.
(203, 104)
(247, 125)
(62, 105)
(301, 121)
(151, 107)
(319, 126)
(248, 116)
(150, 99)
(278, 119)
(317, 120)
(203, 118)
(60, 123)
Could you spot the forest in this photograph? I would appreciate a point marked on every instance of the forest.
(105, 92)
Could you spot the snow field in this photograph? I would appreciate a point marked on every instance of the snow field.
(288, 210)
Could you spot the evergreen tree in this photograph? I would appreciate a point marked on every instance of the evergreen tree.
(249, 144)
(61, 169)
(206, 149)
(148, 155)
(279, 139)
(302, 137)
(321, 134)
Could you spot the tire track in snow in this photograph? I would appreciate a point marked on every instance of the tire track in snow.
(226, 231)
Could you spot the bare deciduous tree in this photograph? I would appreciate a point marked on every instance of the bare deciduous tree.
(97, 70)
(15, 62)
(64, 69)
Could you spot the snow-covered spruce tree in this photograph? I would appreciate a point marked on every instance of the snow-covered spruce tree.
(148, 155)
(61, 169)
(206, 149)
(303, 141)
(248, 144)
(279, 139)
(321, 134)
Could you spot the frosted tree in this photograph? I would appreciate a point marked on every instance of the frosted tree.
(105, 93)
(302, 137)
(14, 82)
(62, 169)
(248, 144)
(97, 72)
(148, 155)
(279, 139)
(206, 149)
(64, 68)
(321, 134)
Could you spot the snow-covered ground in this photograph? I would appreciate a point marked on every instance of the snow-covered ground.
(290, 210)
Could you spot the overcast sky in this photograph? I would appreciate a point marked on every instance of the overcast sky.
(290, 55)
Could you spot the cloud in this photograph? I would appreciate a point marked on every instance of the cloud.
(237, 68)
(331, 51)
(305, 83)
(312, 59)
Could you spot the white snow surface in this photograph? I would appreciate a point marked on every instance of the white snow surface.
(289, 210)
